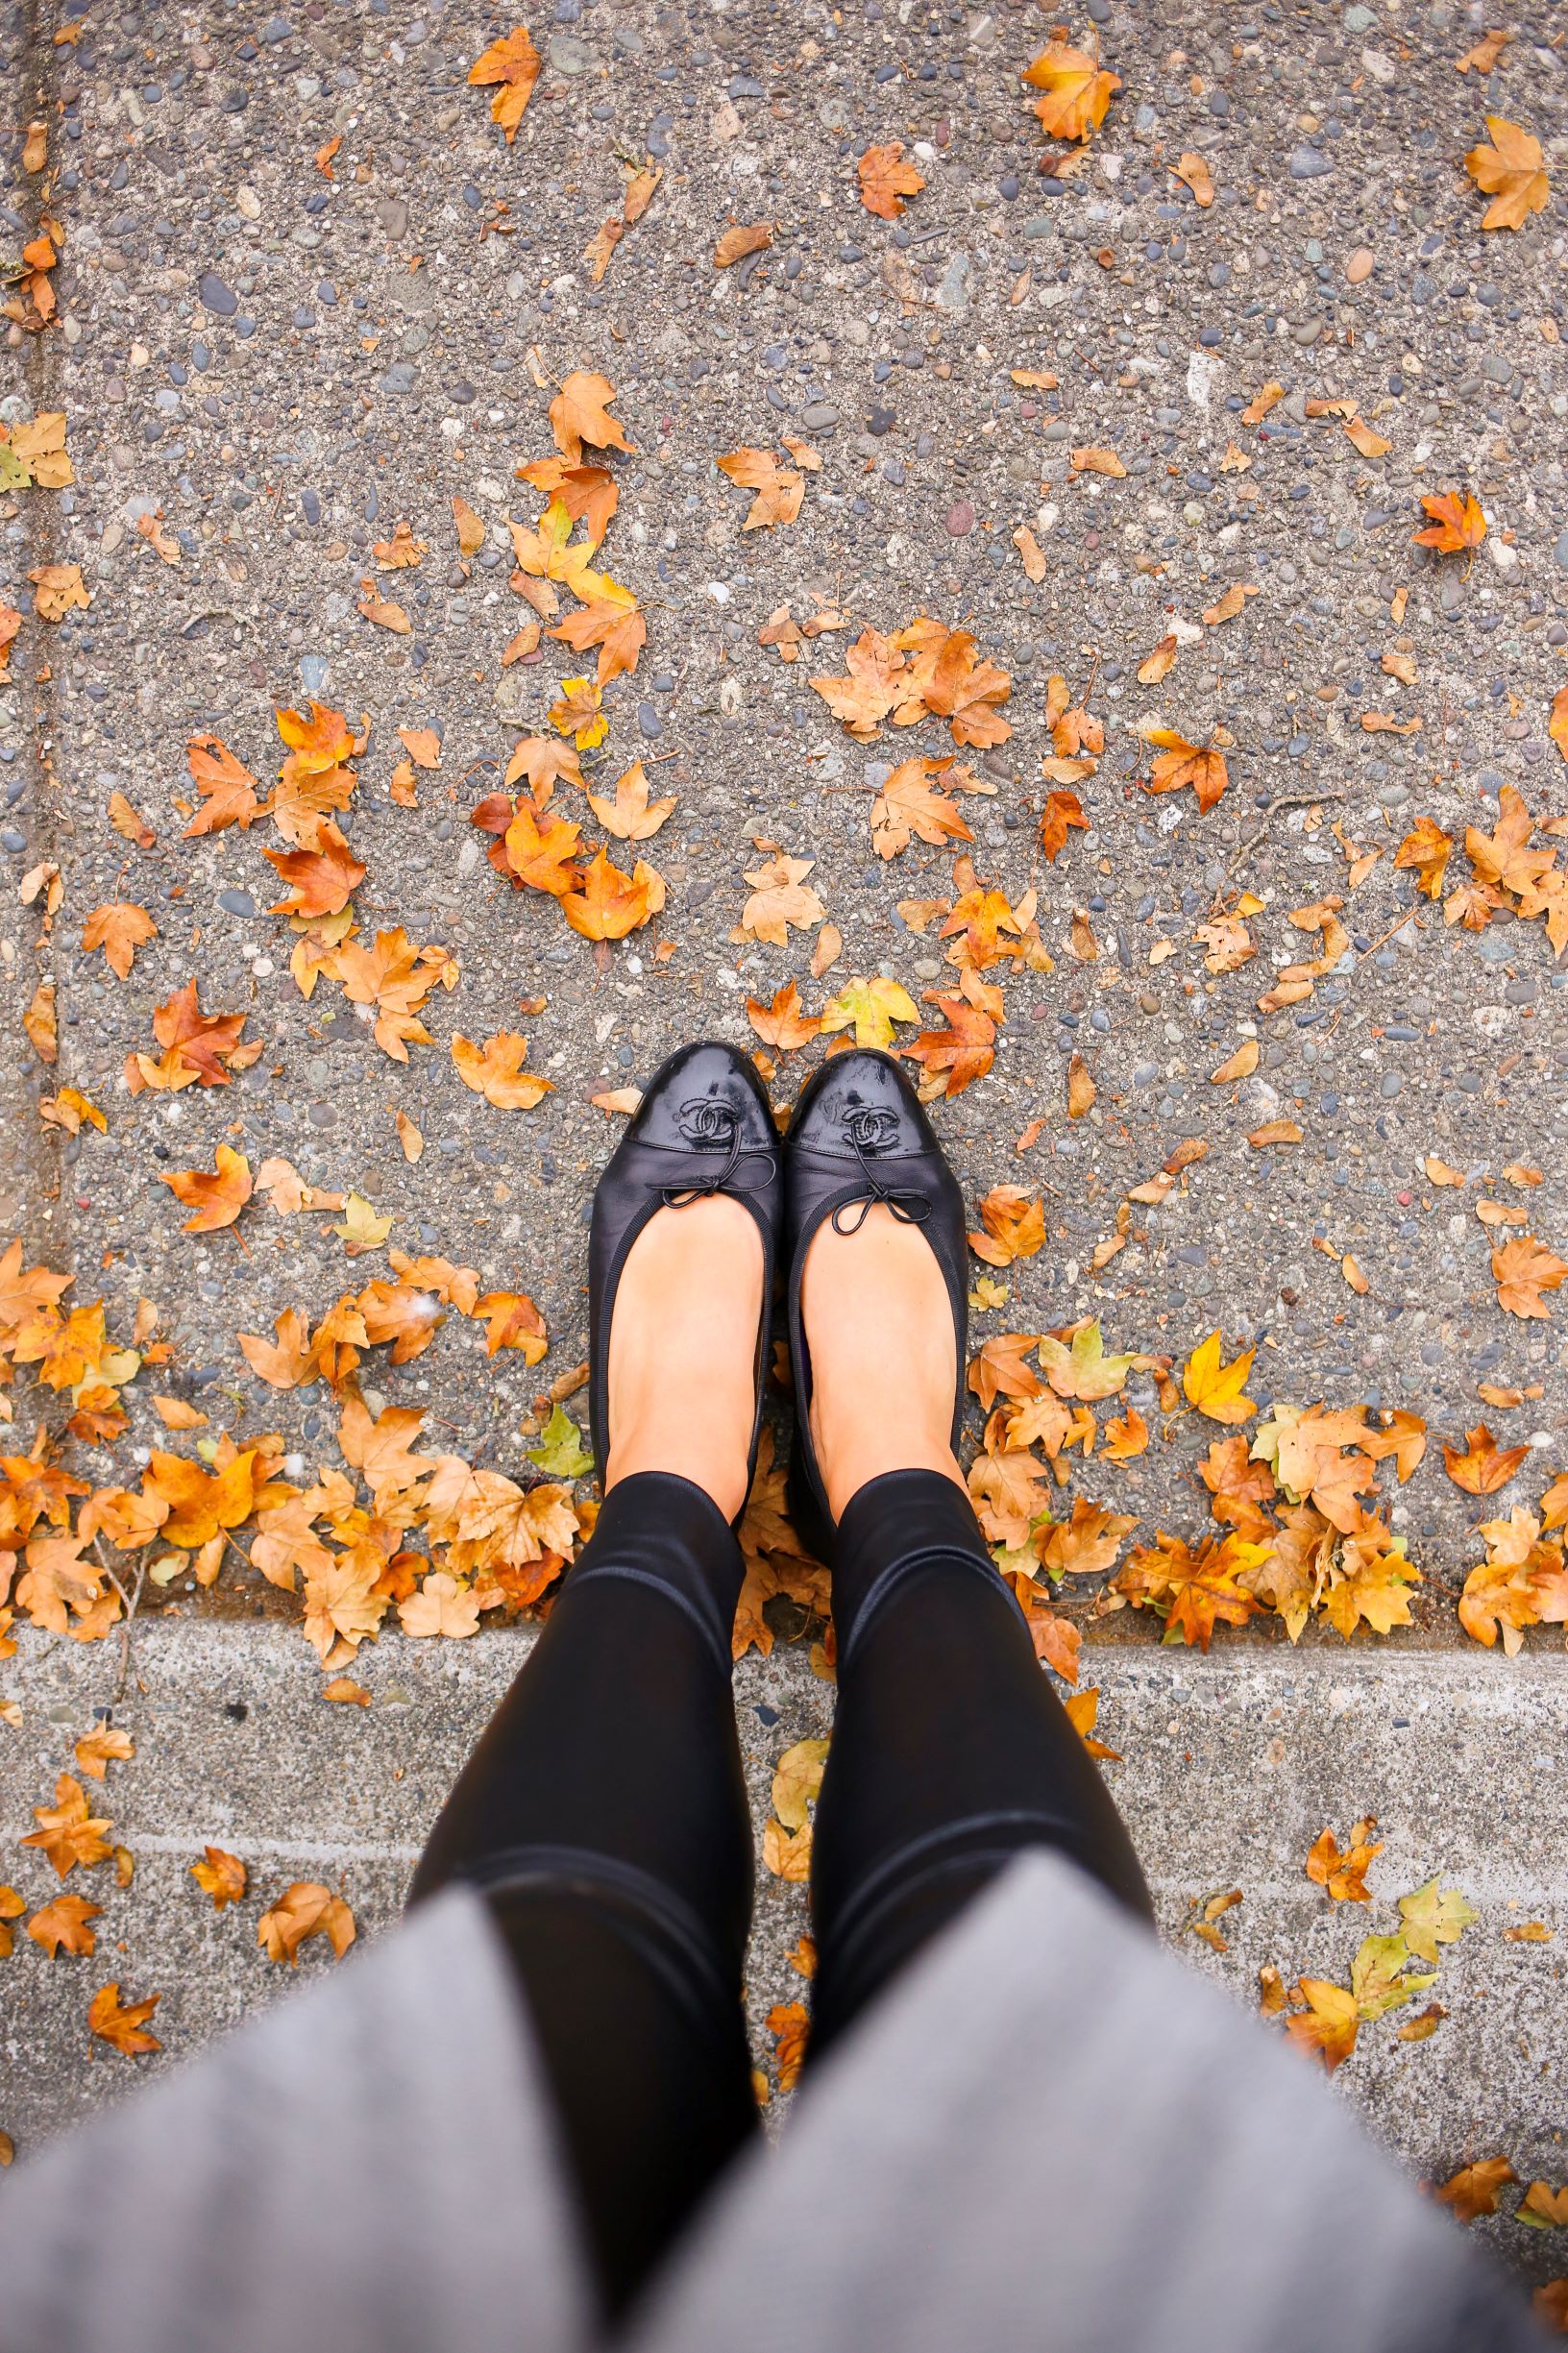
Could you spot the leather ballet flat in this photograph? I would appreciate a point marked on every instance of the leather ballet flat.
(858, 1136)
(704, 1126)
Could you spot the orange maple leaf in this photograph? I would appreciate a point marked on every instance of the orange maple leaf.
(579, 412)
(123, 2026)
(610, 904)
(1180, 763)
(886, 180)
(323, 875)
(954, 1058)
(225, 785)
(217, 1195)
(1483, 1467)
(514, 63)
(1509, 172)
(119, 929)
(1456, 523)
(1075, 91)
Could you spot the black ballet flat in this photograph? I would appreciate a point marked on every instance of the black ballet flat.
(704, 1126)
(859, 1136)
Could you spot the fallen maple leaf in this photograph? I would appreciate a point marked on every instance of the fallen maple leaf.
(1426, 850)
(323, 875)
(538, 848)
(870, 1007)
(580, 713)
(304, 1910)
(1475, 2189)
(1556, 726)
(1087, 1544)
(782, 1023)
(1240, 1065)
(119, 929)
(1522, 1268)
(779, 897)
(1015, 1226)
(752, 237)
(1031, 555)
(1485, 54)
(1233, 601)
(97, 1750)
(1483, 1467)
(631, 816)
(1523, 1582)
(513, 62)
(886, 180)
(1193, 170)
(59, 589)
(1156, 664)
(1509, 172)
(382, 611)
(780, 489)
(906, 807)
(1180, 763)
(41, 1024)
(225, 785)
(1192, 1591)
(1126, 1436)
(63, 1926)
(1216, 1389)
(124, 2027)
(67, 1833)
(495, 1072)
(579, 413)
(403, 552)
(610, 903)
(1083, 1708)
(1456, 523)
(1432, 1916)
(440, 1605)
(1343, 1876)
(1093, 460)
(221, 1876)
(1062, 814)
(954, 1058)
(1075, 91)
(217, 1195)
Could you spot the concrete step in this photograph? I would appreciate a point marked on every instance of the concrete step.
(1230, 1767)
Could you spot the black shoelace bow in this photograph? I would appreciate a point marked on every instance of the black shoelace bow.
(711, 1125)
(870, 1128)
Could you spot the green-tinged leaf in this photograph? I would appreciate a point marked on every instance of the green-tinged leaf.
(1435, 1916)
(1376, 1979)
(560, 1449)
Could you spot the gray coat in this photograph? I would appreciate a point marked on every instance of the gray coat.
(1050, 2134)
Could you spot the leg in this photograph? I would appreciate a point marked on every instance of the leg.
(605, 1813)
(950, 1749)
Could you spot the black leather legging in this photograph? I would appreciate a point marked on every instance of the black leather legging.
(605, 1815)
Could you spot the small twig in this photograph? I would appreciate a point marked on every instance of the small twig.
(1305, 800)
(128, 1602)
(1284, 801)
(1390, 933)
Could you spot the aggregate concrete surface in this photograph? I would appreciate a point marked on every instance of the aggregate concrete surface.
(272, 363)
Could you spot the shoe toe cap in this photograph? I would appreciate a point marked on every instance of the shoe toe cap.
(694, 1090)
(861, 1082)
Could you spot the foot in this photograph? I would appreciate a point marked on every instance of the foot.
(683, 1350)
(883, 1359)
